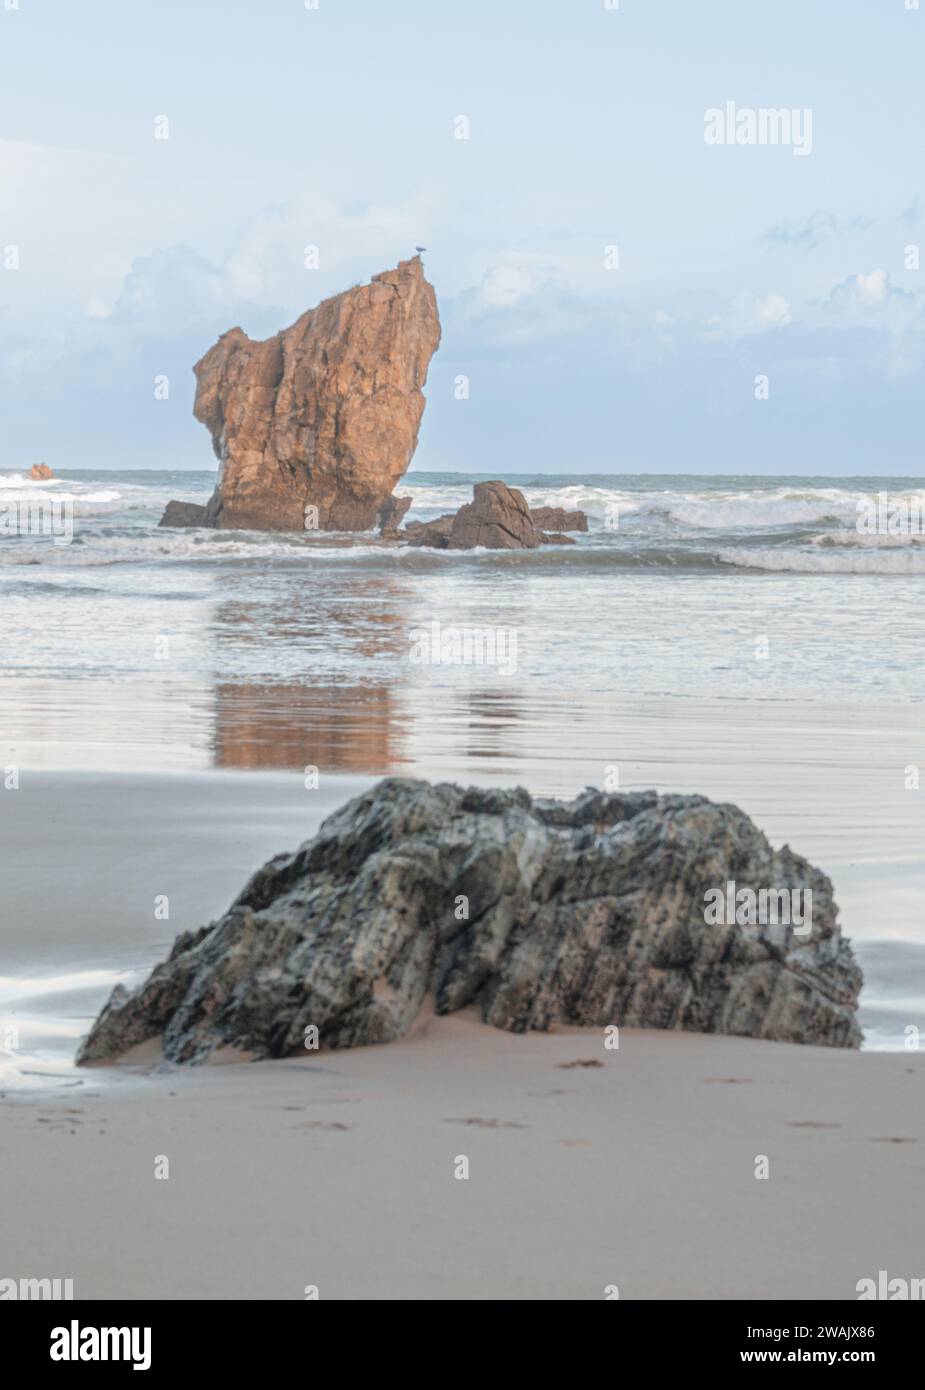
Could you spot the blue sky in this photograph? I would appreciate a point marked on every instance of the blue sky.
(335, 127)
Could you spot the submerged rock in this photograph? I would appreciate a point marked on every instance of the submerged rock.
(535, 912)
(390, 516)
(183, 514)
(429, 533)
(558, 519)
(314, 426)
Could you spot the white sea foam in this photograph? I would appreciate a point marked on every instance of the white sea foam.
(596, 501)
(760, 510)
(862, 540)
(203, 546)
(713, 509)
(17, 488)
(21, 480)
(670, 523)
(783, 560)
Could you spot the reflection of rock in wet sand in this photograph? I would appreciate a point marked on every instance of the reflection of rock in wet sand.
(337, 729)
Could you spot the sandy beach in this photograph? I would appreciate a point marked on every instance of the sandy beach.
(586, 1169)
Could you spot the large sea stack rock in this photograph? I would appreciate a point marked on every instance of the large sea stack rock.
(324, 415)
(535, 912)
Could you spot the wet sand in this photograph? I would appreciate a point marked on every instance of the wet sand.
(337, 1170)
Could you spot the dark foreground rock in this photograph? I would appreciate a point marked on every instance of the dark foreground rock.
(534, 912)
(497, 518)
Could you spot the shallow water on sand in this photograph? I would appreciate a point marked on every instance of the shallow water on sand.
(735, 637)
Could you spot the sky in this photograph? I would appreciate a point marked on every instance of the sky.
(620, 293)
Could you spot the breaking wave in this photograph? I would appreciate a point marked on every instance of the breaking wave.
(636, 522)
(784, 560)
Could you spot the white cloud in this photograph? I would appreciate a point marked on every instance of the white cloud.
(267, 265)
(864, 290)
(516, 305)
(25, 166)
(506, 285)
(749, 313)
(872, 288)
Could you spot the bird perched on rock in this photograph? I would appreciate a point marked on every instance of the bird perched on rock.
(419, 249)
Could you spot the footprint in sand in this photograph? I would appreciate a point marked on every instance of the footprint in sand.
(64, 1120)
(321, 1124)
(810, 1124)
(727, 1080)
(892, 1139)
(581, 1062)
(487, 1124)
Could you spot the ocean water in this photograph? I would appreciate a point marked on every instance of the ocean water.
(669, 594)
(740, 637)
